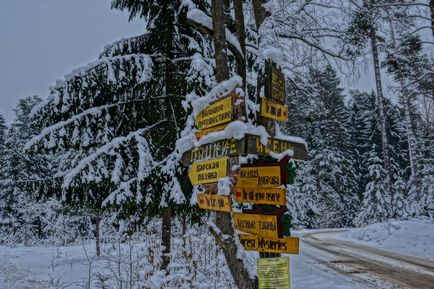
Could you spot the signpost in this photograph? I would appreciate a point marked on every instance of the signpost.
(260, 225)
(214, 202)
(288, 245)
(206, 172)
(268, 221)
(273, 273)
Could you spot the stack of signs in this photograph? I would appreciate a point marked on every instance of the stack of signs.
(213, 162)
(261, 184)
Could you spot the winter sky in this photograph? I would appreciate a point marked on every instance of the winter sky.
(43, 40)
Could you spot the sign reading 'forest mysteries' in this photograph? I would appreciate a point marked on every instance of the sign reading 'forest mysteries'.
(217, 113)
(206, 172)
(260, 225)
(288, 245)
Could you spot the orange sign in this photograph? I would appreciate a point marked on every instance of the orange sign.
(272, 196)
(214, 202)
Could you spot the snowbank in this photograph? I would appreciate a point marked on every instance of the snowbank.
(415, 237)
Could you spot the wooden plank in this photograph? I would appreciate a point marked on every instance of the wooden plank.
(273, 110)
(215, 114)
(221, 148)
(255, 147)
(272, 196)
(259, 177)
(274, 83)
(260, 225)
(204, 132)
(287, 245)
(273, 273)
(210, 171)
(214, 202)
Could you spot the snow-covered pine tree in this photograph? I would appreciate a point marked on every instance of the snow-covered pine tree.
(22, 216)
(330, 156)
(379, 202)
(411, 67)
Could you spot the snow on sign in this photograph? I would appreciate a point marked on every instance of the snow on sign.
(203, 132)
(273, 110)
(214, 202)
(287, 245)
(259, 177)
(254, 146)
(206, 172)
(271, 196)
(221, 148)
(273, 273)
(260, 225)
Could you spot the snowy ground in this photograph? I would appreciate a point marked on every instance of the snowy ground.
(414, 238)
(68, 267)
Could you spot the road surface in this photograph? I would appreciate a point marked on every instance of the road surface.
(367, 266)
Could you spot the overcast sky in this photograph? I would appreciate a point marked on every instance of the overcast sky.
(42, 40)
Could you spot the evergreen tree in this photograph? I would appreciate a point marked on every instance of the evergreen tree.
(22, 215)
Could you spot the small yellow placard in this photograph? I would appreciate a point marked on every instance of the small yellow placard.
(272, 196)
(259, 177)
(261, 225)
(206, 172)
(217, 113)
(214, 202)
(203, 132)
(288, 245)
(273, 273)
(274, 110)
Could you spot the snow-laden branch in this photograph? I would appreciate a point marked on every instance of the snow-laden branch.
(104, 150)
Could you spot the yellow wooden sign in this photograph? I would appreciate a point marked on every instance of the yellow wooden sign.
(214, 202)
(259, 177)
(288, 245)
(260, 225)
(203, 132)
(273, 273)
(206, 172)
(274, 110)
(272, 196)
(217, 113)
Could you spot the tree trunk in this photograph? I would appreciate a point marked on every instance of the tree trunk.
(97, 233)
(431, 6)
(380, 103)
(241, 34)
(221, 58)
(166, 235)
(226, 237)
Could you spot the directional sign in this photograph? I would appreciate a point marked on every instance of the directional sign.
(259, 177)
(204, 132)
(217, 113)
(273, 273)
(274, 110)
(251, 144)
(214, 202)
(260, 225)
(288, 245)
(254, 146)
(272, 196)
(206, 172)
(274, 83)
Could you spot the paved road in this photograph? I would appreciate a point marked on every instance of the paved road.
(368, 266)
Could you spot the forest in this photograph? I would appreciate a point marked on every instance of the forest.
(99, 159)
